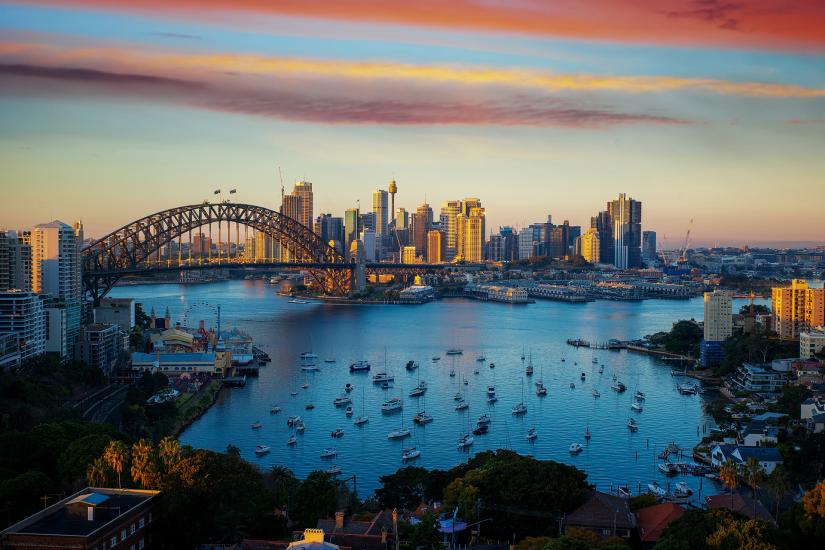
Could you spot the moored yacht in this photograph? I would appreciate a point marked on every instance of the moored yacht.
(632, 425)
(484, 419)
(410, 454)
(359, 366)
(328, 452)
(575, 448)
(465, 441)
(636, 406)
(338, 432)
(519, 409)
(532, 434)
(455, 351)
(668, 468)
(423, 417)
(461, 405)
(342, 400)
(639, 396)
(394, 404)
(399, 433)
(619, 387)
(596, 393)
(382, 378)
(261, 450)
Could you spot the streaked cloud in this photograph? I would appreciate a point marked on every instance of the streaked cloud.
(752, 23)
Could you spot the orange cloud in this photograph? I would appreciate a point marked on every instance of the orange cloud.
(726, 23)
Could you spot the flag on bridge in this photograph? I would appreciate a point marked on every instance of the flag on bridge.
(232, 191)
(217, 191)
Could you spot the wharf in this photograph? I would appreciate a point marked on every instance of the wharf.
(237, 381)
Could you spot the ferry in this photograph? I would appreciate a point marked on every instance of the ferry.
(359, 366)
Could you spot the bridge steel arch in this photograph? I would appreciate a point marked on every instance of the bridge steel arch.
(131, 247)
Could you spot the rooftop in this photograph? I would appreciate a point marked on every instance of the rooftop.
(739, 503)
(766, 454)
(603, 509)
(69, 516)
(654, 519)
(138, 357)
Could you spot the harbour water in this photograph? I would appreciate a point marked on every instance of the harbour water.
(500, 332)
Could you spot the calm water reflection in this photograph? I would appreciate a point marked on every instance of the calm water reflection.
(501, 332)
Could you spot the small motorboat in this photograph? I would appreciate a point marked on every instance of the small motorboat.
(339, 432)
(382, 377)
(461, 405)
(328, 453)
(348, 387)
(329, 360)
(455, 351)
(257, 426)
(466, 382)
(492, 365)
(334, 470)
(656, 490)
(305, 385)
(361, 420)
(572, 385)
(292, 420)
(293, 393)
(423, 417)
(682, 490)
(595, 361)
(359, 366)
(631, 425)
(411, 365)
(563, 359)
(309, 406)
(480, 358)
(436, 358)
(465, 441)
(636, 406)
(399, 433)
(541, 391)
(583, 376)
(529, 370)
(687, 389)
(481, 429)
(596, 393)
(575, 448)
(275, 409)
(342, 400)
(420, 390)
(619, 387)
(475, 371)
(639, 396)
(668, 468)
(483, 419)
(519, 409)
(492, 399)
(348, 412)
(410, 454)
(532, 434)
(292, 440)
(261, 450)
(310, 368)
(491, 391)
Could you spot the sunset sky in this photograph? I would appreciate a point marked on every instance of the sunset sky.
(706, 109)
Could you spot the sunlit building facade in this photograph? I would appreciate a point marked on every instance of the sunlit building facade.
(590, 246)
(435, 247)
(303, 189)
(797, 308)
(471, 236)
(380, 208)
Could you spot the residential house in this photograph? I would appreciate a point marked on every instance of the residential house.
(769, 457)
(811, 407)
(762, 378)
(739, 503)
(652, 520)
(359, 535)
(817, 423)
(759, 434)
(603, 514)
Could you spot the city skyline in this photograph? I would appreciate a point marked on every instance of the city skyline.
(523, 107)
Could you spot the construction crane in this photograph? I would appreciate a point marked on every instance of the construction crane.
(682, 259)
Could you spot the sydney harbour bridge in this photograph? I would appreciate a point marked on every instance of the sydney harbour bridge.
(136, 249)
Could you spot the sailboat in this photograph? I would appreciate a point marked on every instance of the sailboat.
(587, 433)
(410, 454)
(520, 408)
(362, 418)
(529, 370)
(400, 433)
(422, 417)
(420, 389)
(466, 440)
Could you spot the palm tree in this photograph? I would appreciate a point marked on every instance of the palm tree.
(753, 473)
(97, 473)
(729, 477)
(169, 450)
(116, 456)
(779, 483)
(144, 463)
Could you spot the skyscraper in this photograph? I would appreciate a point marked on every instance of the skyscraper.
(350, 227)
(449, 221)
(380, 209)
(420, 226)
(435, 246)
(797, 308)
(471, 236)
(401, 218)
(626, 217)
(590, 246)
(393, 190)
(649, 246)
(292, 207)
(303, 189)
(602, 224)
(718, 326)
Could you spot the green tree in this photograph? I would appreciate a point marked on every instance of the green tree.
(779, 484)
(97, 474)
(314, 499)
(729, 476)
(741, 535)
(753, 474)
(73, 461)
(144, 464)
(404, 489)
(426, 534)
(116, 456)
(169, 452)
(284, 484)
(692, 529)
(232, 450)
(790, 399)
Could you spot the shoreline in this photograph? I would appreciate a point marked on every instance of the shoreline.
(212, 391)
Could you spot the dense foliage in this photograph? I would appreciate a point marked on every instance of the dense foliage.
(683, 338)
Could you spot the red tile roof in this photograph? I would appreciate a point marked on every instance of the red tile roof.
(654, 519)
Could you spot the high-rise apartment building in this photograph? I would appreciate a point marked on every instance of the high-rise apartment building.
(602, 224)
(449, 222)
(590, 246)
(291, 207)
(649, 246)
(201, 245)
(626, 217)
(797, 308)
(15, 262)
(718, 316)
(380, 208)
(401, 218)
(436, 244)
(303, 189)
(408, 255)
(21, 314)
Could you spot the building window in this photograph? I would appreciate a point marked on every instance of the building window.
(113, 542)
(141, 523)
(132, 529)
(150, 517)
(140, 544)
(122, 535)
